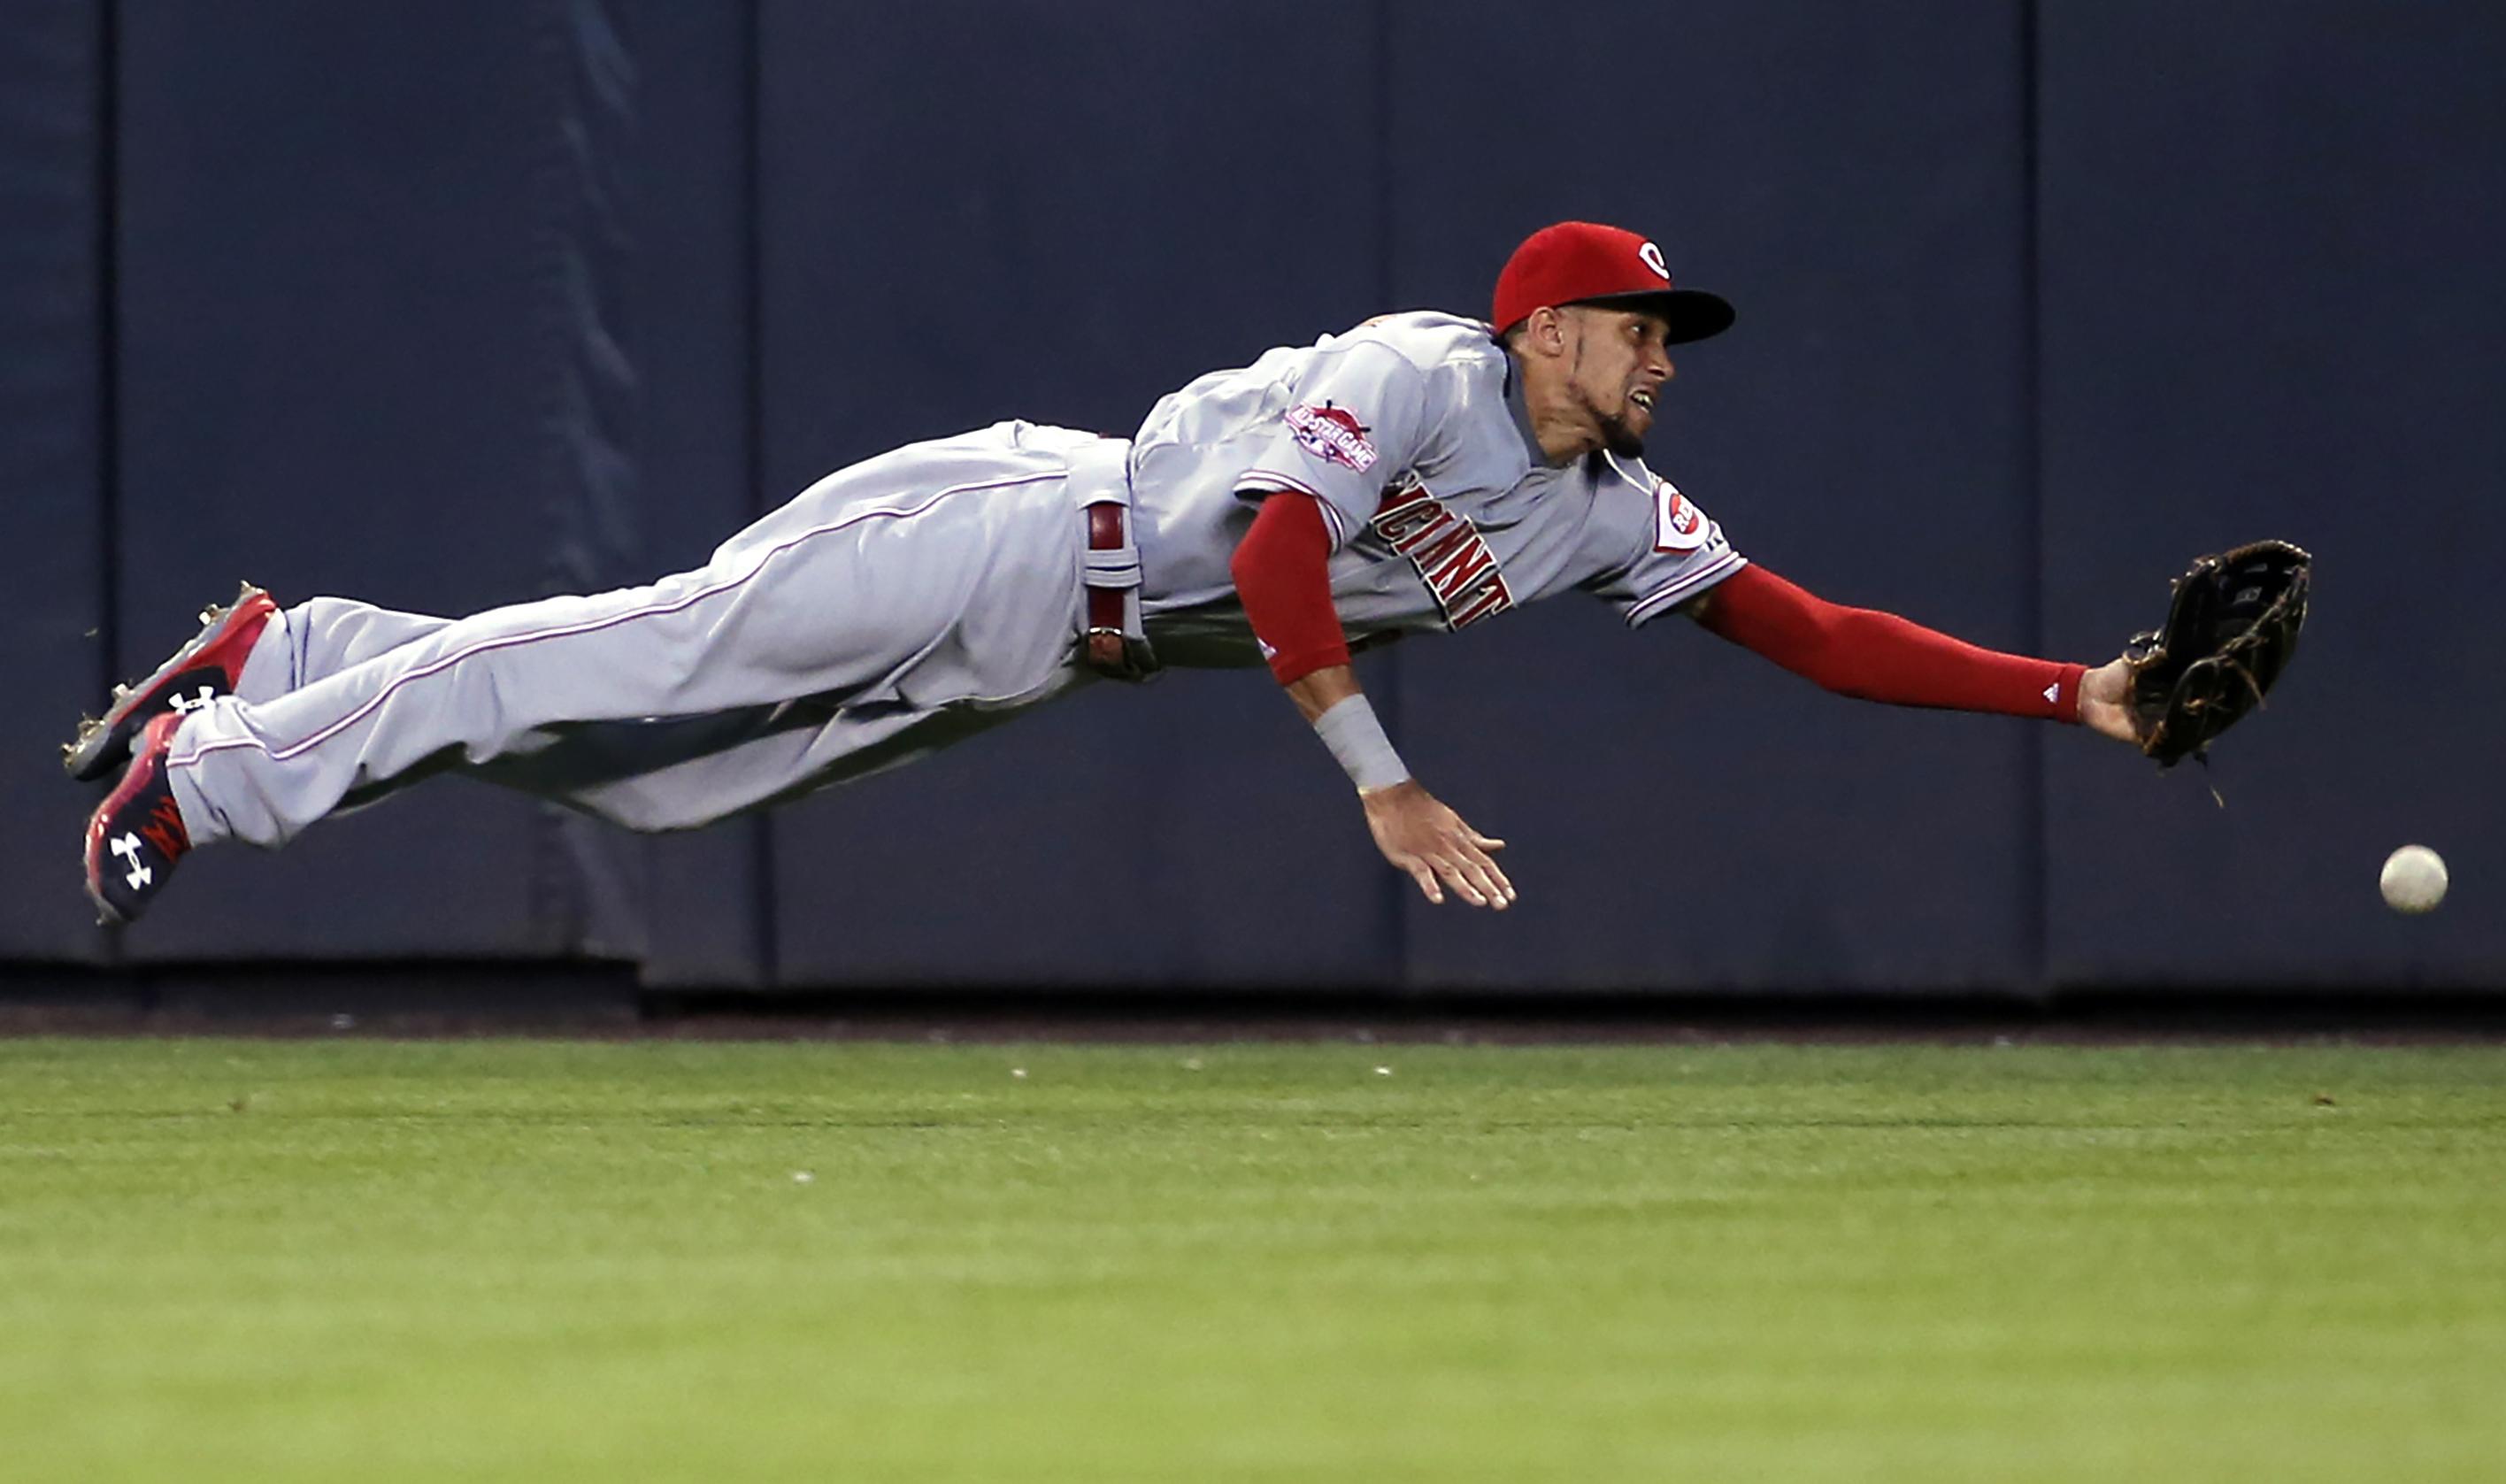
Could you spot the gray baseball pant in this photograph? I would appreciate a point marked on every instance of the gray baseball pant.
(891, 608)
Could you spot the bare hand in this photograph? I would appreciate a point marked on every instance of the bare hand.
(1420, 835)
(2106, 702)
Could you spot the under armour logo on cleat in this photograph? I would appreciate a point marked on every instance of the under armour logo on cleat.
(127, 847)
(185, 705)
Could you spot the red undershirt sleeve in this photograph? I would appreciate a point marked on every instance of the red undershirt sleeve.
(1282, 570)
(1879, 656)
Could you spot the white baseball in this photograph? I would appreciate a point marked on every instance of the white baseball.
(2414, 878)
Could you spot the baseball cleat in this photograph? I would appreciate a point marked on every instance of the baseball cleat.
(199, 672)
(136, 834)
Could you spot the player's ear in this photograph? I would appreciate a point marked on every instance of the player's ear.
(1545, 332)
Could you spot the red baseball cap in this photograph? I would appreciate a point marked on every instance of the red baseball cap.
(1587, 262)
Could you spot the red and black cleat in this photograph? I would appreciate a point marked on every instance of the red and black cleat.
(199, 672)
(136, 834)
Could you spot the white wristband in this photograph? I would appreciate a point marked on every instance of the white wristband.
(1349, 729)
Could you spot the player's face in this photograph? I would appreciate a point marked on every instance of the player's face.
(1616, 371)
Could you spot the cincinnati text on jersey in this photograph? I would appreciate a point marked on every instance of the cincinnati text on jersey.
(1448, 551)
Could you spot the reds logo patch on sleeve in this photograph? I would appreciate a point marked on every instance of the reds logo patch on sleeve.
(1332, 434)
(1678, 526)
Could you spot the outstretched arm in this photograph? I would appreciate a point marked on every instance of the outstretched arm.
(1282, 573)
(1877, 656)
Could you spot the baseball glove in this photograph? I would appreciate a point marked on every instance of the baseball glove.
(2230, 631)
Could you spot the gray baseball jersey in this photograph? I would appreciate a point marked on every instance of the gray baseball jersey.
(906, 601)
(1443, 511)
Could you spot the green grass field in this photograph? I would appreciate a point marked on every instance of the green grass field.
(277, 1261)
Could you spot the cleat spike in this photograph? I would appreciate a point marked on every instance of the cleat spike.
(214, 658)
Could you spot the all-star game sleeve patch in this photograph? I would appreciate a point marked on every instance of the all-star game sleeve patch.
(1332, 434)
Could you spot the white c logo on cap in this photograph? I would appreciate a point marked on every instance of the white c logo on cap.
(1652, 256)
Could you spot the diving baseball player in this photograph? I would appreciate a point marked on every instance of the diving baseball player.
(1424, 471)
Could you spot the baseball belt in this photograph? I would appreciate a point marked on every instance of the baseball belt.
(1113, 642)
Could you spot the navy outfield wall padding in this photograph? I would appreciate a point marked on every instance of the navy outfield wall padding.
(2271, 236)
(591, 887)
(354, 248)
(973, 212)
(450, 305)
(691, 302)
(53, 462)
(1680, 813)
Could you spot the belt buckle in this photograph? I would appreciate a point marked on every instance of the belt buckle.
(1117, 656)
